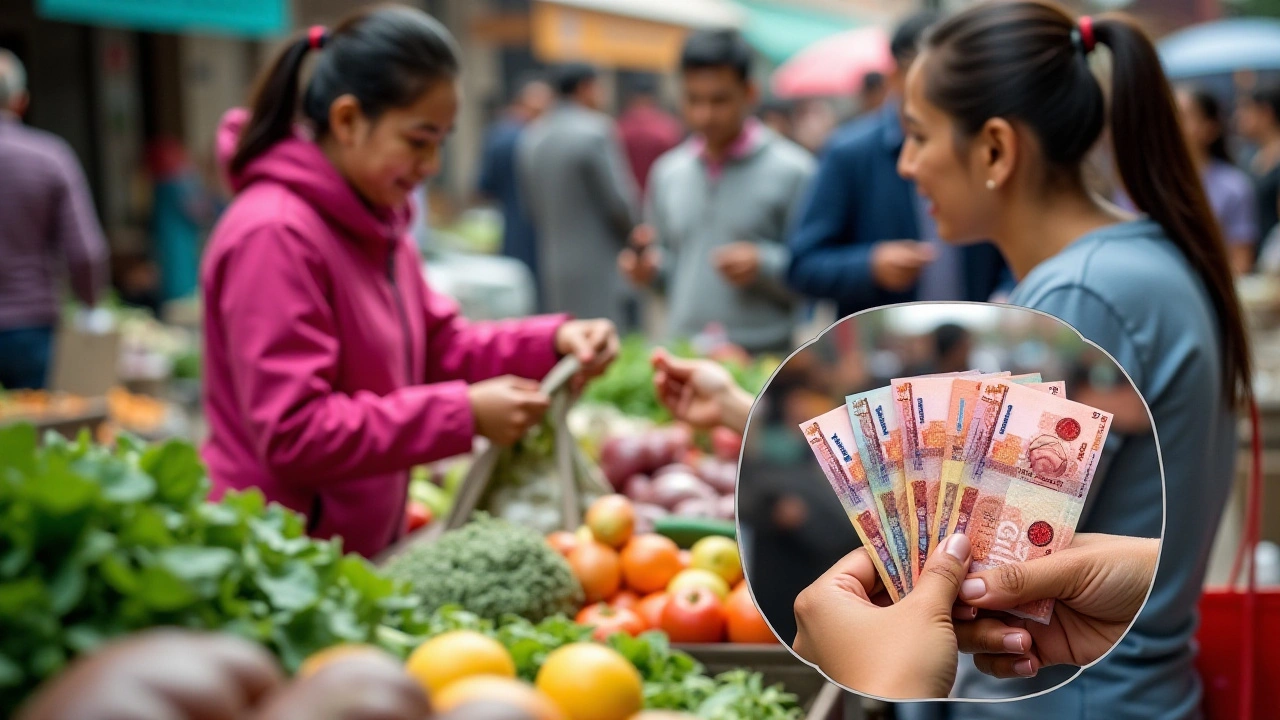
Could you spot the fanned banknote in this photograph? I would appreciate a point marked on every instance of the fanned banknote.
(830, 436)
(963, 448)
(922, 403)
(1037, 454)
(879, 440)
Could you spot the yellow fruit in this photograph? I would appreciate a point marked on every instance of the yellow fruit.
(591, 682)
(720, 556)
(455, 655)
(320, 660)
(584, 535)
(697, 577)
(497, 689)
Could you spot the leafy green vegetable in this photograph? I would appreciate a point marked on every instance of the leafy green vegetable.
(95, 543)
(492, 568)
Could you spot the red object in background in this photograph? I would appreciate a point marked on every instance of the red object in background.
(417, 515)
(647, 132)
(836, 66)
(608, 620)
(1233, 663)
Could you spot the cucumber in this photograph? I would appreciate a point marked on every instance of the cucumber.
(686, 531)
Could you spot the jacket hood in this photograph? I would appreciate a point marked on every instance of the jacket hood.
(298, 164)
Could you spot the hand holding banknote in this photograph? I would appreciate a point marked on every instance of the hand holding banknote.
(846, 626)
(700, 392)
(1099, 583)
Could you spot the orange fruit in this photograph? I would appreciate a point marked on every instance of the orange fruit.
(503, 690)
(649, 562)
(612, 519)
(455, 655)
(598, 570)
(563, 541)
(650, 608)
(591, 682)
(746, 624)
(319, 660)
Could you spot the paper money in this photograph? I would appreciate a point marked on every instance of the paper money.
(879, 441)
(961, 450)
(922, 404)
(1036, 457)
(830, 436)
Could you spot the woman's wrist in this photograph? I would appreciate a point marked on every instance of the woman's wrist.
(736, 408)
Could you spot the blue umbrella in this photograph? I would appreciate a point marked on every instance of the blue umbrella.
(1222, 47)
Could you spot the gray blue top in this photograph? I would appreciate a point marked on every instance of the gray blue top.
(1127, 288)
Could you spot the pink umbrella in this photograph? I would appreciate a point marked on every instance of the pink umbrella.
(834, 66)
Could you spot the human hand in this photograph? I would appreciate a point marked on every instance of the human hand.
(595, 344)
(639, 263)
(161, 675)
(506, 407)
(738, 262)
(699, 392)
(896, 264)
(363, 686)
(846, 626)
(1099, 584)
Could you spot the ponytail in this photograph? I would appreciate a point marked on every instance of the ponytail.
(384, 56)
(1161, 178)
(1027, 60)
(275, 102)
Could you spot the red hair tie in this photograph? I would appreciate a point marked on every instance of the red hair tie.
(317, 36)
(1084, 33)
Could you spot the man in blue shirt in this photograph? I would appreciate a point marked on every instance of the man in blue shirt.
(864, 237)
(498, 179)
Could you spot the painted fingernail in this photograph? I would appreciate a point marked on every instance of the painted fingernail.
(1013, 643)
(973, 588)
(1024, 668)
(957, 546)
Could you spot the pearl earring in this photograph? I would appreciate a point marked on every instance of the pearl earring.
(991, 184)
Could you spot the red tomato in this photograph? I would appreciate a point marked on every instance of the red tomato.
(625, 600)
(695, 615)
(608, 620)
(745, 623)
(417, 515)
(650, 608)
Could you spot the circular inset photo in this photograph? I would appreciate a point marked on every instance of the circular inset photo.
(950, 500)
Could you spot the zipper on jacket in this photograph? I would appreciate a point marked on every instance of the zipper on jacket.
(408, 367)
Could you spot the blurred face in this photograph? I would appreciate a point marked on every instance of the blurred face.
(590, 94)
(951, 177)
(387, 158)
(537, 98)
(716, 103)
(1254, 120)
(1199, 130)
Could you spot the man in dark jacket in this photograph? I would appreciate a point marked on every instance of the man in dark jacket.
(864, 238)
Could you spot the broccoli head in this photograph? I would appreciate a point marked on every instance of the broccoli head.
(491, 568)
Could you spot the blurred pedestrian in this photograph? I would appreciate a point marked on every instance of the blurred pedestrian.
(331, 367)
(1002, 110)
(498, 178)
(646, 129)
(180, 211)
(1230, 189)
(874, 93)
(47, 219)
(1259, 122)
(865, 238)
(778, 114)
(582, 197)
(719, 206)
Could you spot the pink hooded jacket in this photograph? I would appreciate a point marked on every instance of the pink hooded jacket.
(330, 367)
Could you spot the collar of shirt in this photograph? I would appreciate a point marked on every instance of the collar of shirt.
(746, 143)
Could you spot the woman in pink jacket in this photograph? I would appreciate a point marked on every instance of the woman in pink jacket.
(331, 367)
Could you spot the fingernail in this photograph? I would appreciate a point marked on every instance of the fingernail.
(973, 588)
(1024, 668)
(957, 546)
(1013, 643)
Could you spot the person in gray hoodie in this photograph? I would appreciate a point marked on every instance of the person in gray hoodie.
(719, 206)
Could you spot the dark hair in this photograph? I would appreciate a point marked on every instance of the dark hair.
(905, 43)
(872, 82)
(567, 78)
(1018, 60)
(386, 57)
(707, 49)
(1209, 107)
(1268, 95)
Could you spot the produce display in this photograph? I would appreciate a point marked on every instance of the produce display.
(664, 475)
(96, 543)
(491, 567)
(638, 581)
